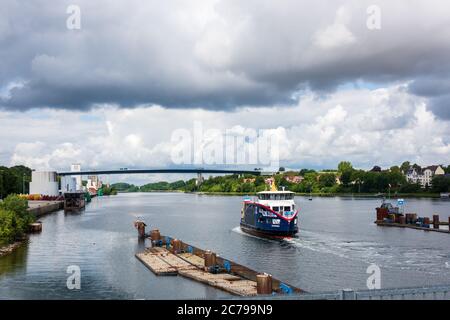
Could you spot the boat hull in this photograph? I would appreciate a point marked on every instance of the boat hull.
(267, 233)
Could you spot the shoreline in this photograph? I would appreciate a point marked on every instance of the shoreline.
(330, 195)
(10, 248)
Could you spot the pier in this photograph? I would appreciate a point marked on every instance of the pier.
(41, 208)
(411, 221)
(172, 257)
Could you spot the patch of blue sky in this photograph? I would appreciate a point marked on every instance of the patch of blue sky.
(39, 114)
(361, 84)
(90, 117)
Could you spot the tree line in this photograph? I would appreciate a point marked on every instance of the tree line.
(14, 180)
(344, 179)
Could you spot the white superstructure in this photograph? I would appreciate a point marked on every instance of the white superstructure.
(44, 183)
(281, 202)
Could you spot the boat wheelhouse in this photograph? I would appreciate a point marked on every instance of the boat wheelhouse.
(272, 214)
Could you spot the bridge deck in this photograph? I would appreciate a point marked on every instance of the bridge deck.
(144, 171)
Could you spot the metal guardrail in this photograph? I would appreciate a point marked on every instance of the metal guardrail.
(417, 293)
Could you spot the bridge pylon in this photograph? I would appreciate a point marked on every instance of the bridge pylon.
(199, 180)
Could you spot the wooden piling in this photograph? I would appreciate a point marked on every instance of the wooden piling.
(140, 226)
(36, 227)
(155, 235)
(426, 221)
(402, 220)
(264, 283)
(436, 221)
(176, 246)
(210, 259)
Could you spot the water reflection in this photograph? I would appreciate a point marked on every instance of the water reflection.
(337, 242)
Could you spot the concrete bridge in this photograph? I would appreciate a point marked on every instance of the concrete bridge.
(198, 171)
(46, 182)
(143, 171)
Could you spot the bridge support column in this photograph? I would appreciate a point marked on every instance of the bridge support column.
(199, 178)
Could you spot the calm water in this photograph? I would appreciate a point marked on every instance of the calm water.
(337, 242)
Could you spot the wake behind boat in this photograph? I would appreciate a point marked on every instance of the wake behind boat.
(273, 214)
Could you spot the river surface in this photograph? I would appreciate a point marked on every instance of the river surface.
(337, 243)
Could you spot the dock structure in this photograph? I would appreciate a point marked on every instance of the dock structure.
(412, 221)
(41, 208)
(170, 257)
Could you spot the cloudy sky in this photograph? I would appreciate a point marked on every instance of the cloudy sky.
(317, 74)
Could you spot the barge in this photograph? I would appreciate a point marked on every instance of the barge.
(171, 257)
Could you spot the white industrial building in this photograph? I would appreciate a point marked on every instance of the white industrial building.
(44, 183)
(68, 184)
(76, 167)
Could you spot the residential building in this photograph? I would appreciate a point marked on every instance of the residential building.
(294, 179)
(423, 176)
(269, 181)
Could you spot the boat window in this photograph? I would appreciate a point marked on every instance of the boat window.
(287, 208)
(276, 209)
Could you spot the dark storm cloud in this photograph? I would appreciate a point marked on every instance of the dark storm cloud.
(213, 54)
(437, 90)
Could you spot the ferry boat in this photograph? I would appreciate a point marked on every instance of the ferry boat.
(273, 214)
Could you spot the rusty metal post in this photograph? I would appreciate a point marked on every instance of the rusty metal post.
(140, 226)
(264, 283)
(155, 235)
(210, 259)
(436, 221)
(176, 246)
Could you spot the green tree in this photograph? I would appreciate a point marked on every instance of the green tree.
(346, 170)
(14, 218)
(259, 181)
(303, 172)
(345, 166)
(440, 183)
(327, 180)
(405, 166)
(8, 227)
